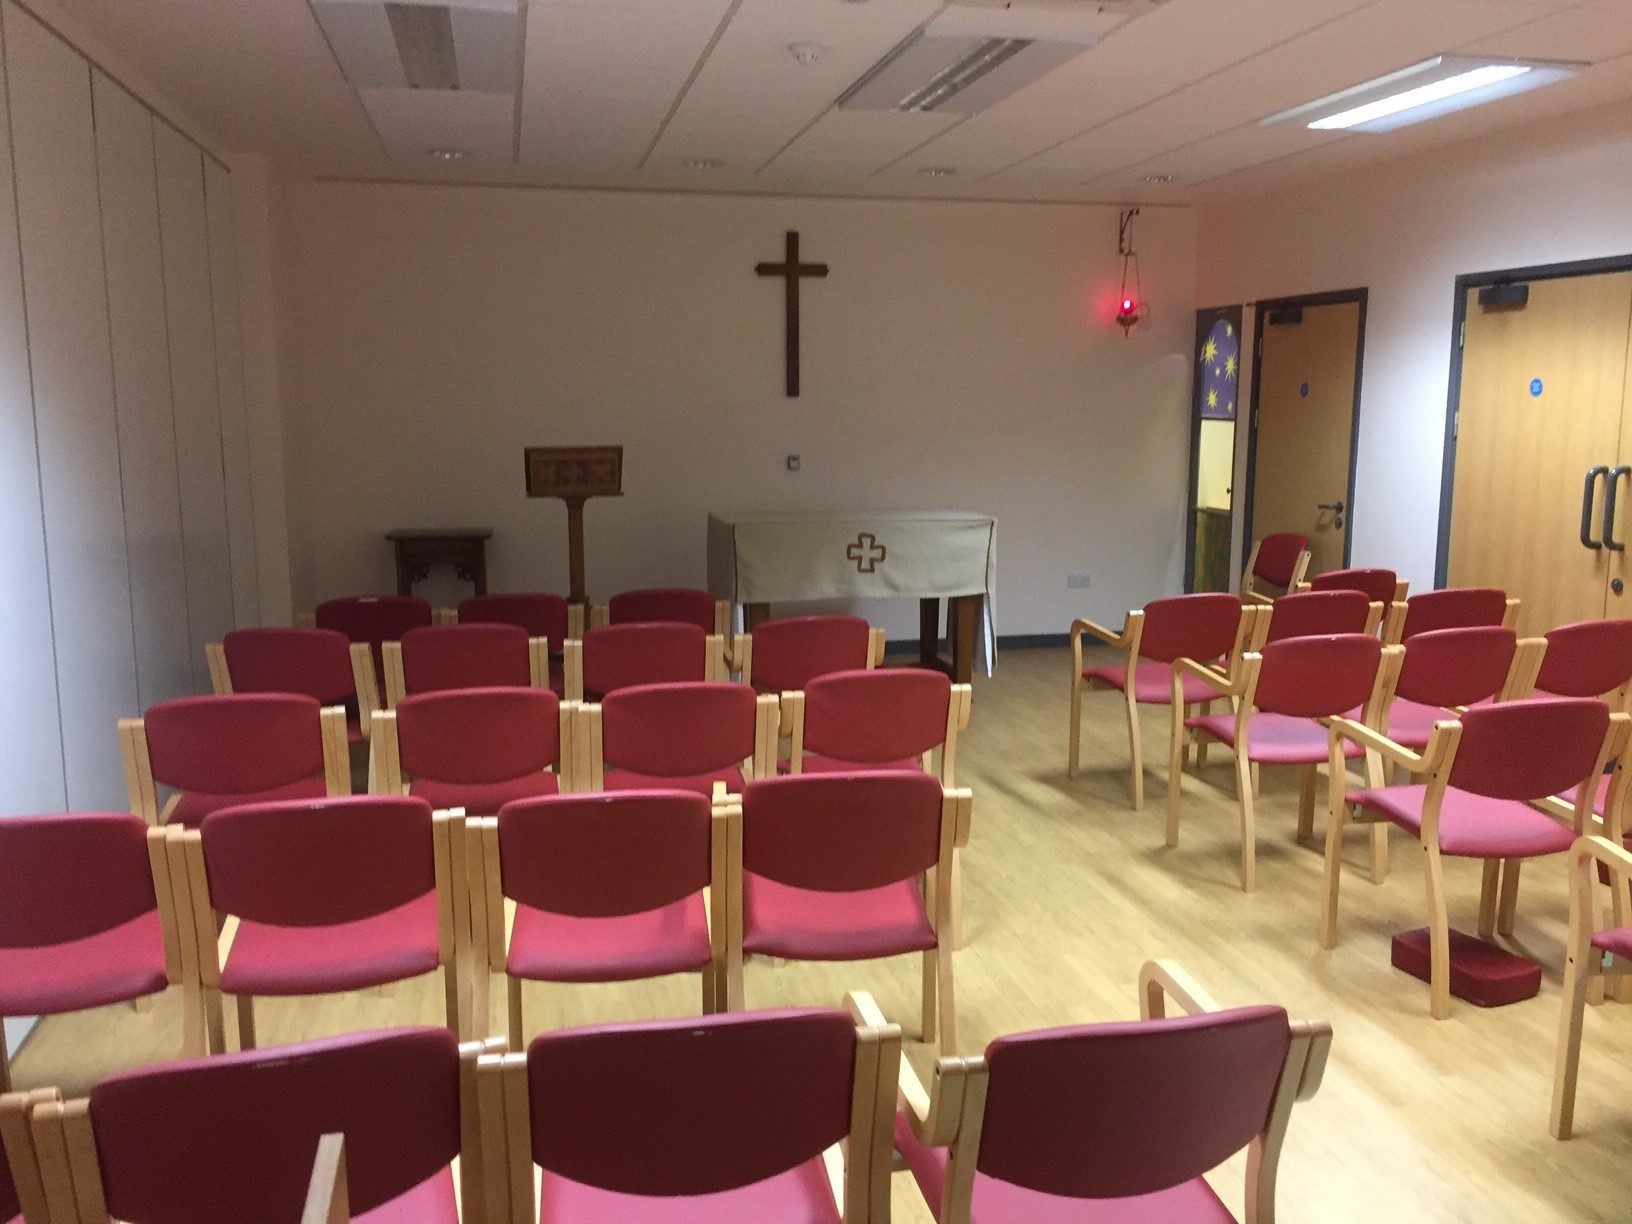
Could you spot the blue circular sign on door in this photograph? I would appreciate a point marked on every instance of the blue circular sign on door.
(1304, 390)
(1535, 386)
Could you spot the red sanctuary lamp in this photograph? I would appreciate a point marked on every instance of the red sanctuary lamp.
(1131, 308)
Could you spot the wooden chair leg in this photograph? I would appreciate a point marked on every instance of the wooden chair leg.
(517, 1028)
(194, 1042)
(1489, 888)
(454, 1000)
(1439, 938)
(1135, 750)
(1510, 896)
(246, 1021)
(1203, 708)
(955, 902)
(1073, 752)
(943, 992)
(1175, 776)
(1336, 819)
(1257, 781)
(1567, 1062)
(215, 1022)
(1306, 803)
(711, 998)
(1245, 789)
(1379, 852)
(926, 1030)
(5, 1063)
(142, 1003)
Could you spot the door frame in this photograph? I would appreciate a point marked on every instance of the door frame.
(1206, 319)
(1360, 296)
(1453, 399)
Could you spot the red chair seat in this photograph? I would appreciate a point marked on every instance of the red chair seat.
(1153, 683)
(803, 924)
(1000, 1202)
(111, 966)
(547, 947)
(193, 806)
(430, 1202)
(1598, 795)
(281, 960)
(1617, 940)
(1275, 739)
(484, 798)
(354, 731)
(799, 1196)
(1472, 825)
(815, 763)
(1410, 722)
(628, 779)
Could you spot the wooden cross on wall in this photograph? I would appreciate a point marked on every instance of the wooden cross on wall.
(791, 271)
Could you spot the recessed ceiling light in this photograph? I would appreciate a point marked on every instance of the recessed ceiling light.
(1427, 90)
(806, 52)
(1160, 180)
(703, 163)
(937, 171)
(446, 155)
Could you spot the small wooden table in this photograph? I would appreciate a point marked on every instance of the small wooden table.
(417, 549)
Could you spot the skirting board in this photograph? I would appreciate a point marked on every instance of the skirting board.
(1005, 641)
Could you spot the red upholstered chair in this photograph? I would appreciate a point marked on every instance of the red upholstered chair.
(232, 1138)
(22, 1187)
(543, 615)
(1284, 696)
(1588, 659)
(371, 621)
(698, 737)
(1447, 670)
(475, 749)
(1594, 950)
(841, 867)
(1380, 585)
(1112, 1123)
(1317, 613)
(236, 748)
(316, 662)
(88, 917)
(606, 888)
(785, 654)
(649, 652)
(722, 1120)
(324, 896)
(1488, 788)
(1451, 608)
(685, 605)
(883, 718)
(1209, 625)
(1277, 561)
(435, 658)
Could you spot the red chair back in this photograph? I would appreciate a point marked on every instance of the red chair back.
(1457, 667)
(1318, 677)
(1278, 556)
(605, 855)
(234, 743)
(66, 877)
(1378, 585)
(375, 856)
(478, 735)
(1117, 1110)
(1454, 608)
(683, 605)
(373, 618)
(678, 730)
(670, 1108)
(841, 832)
(1201, 627)
(655, 652)
(875, 716)
(793, 650)
(1586, 659)
(1529, 749)
(310, 661)
(239, 1131)
(440, 657)
(1312, 613)
(538, 612)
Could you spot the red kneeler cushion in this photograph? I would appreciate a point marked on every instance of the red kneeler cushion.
(1481, 973)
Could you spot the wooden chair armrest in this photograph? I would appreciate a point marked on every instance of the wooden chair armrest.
(863, 1008)
(963, 800)
(326, 1199)
(1319, 1034)
(1110, 637)
(1162, 980)
(1617, 859)
(1257, 597)
(1376, 741)
(1226, 686)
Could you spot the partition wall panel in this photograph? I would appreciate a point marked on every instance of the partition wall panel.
(128, 185)
(190, 315)
(54, 155)
(229, 381)
(31, 771)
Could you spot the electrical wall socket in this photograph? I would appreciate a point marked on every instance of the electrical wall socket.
(793, 463)
(1076, 582)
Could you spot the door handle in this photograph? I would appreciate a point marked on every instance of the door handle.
(1612, 484)
(1593, 473)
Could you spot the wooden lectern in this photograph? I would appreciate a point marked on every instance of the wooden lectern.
(575, 474)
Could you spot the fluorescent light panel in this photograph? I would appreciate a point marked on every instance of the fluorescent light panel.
(1422, 91)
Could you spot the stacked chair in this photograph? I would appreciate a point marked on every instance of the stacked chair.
(540, 613)
(369, 622)
(1277, 562)
(1379, 585)
(319, 663)
(435, 658)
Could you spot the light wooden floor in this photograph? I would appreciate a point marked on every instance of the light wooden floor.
(1067, 892)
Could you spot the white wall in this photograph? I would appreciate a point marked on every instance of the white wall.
(958, 354)
(1556, 191)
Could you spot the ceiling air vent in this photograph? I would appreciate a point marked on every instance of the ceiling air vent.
(464, 45)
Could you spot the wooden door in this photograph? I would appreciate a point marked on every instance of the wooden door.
(1304, 434)
(1617, 601)
(1540, 408)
